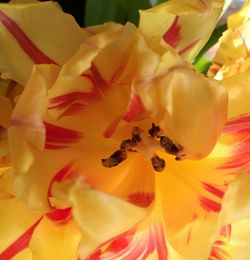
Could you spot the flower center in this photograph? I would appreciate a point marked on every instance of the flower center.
(147, 142)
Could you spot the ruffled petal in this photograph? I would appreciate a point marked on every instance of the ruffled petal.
(42, 41)
(27, 134)
(91, 206)
(175, 21)
(201, 187)
(51, 240)
(238, 94)
(17, 227)
(187, 103)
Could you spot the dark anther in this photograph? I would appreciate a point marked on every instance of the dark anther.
(168, 145)
(136, 134)
(128, 143)
(158, 163)
(177, 158)
(115, 159)
(154, 130)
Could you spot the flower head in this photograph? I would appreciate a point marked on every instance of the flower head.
(103, 138)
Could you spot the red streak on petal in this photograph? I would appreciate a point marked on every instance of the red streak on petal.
(118, 244)
(61, 216)
(214, 190)
(191, 45)
(141, 199)
(226, 231)
(109, 131)
(134, 244)
(73, 109)
(100, 84)
(65, 173)
(95, 256)
(21, 243)
(214, 69)
(240, 128)
(60, 137)
(31, 50)
(66, 100)
(209, 205)
(135, 108)
(173, 36)
(239, 125)
(161, 243)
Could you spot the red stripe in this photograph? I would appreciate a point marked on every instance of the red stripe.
(61, 216)
(60, 137)
(65, 173)
(31, 50)
(209, 205)
(214, 190)
(135, 108)
(20, 244)
(66, 100)
(173, 36)
(240, 128)
(191, 45)
(141, 199)
(109, 131)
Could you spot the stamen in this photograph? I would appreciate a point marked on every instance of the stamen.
(168, 145)
(158, 163)
(154, 130)
(128, 143)
(115, 159)
(136, 134)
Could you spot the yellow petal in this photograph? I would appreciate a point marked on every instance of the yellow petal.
(238, 94)
(17, 225)
(51, 240)
(6, 182)
(240, 17)
(101, 217)
(236, 201)
(27, 134)
(42, 41)
(175, 22)
(187, 103)
(25, 254)
(240, 239)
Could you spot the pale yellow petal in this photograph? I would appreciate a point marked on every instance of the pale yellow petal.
(26, 34)
(187, 103)
(175, 21)
(15, 220)
(101, 217)
(238, 94)
(236, 201)
(25, 254)
(51, 240)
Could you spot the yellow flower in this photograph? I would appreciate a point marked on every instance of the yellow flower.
(106, 135)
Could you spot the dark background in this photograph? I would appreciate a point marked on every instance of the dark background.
(74, 7)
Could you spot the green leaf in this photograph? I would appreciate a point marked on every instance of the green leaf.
(161, 1)
(99, 11)
(134, 7)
